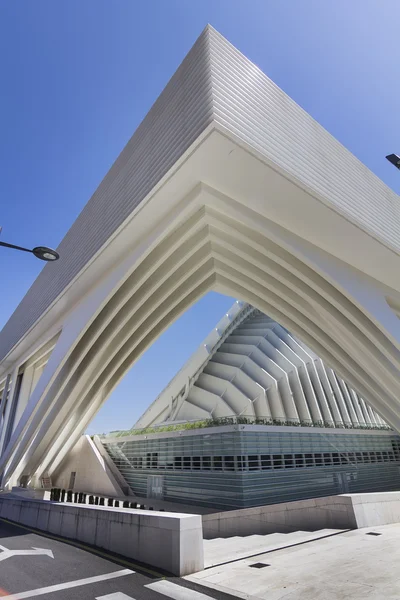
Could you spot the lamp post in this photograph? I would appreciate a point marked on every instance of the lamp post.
(40, 252)
(394, 159)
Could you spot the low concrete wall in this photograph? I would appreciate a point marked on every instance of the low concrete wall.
(169, 541)
(333, 512)
(347, 511)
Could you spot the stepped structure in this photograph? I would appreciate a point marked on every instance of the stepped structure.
(258, 370)
(255, 417)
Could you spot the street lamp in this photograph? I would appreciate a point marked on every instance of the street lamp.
(394, 159)
(40, 252)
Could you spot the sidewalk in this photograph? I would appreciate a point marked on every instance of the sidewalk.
(353, 565)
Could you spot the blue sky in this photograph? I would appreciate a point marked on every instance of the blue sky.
(78, 76)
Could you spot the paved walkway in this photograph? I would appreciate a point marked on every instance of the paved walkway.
(353, 565)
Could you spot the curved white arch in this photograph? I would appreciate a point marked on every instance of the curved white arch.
(256, 269)
(216, 195)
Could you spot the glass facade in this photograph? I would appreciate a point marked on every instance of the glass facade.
(251, 466)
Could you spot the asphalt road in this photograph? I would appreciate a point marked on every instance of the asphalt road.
(32, 565)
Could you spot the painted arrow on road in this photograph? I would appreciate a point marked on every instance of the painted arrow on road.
(6, 553)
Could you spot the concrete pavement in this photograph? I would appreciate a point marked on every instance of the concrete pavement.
(352, 565)
(34, 565)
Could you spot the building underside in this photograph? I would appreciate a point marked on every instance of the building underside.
(226, 185)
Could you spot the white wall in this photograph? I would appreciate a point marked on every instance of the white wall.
(92, 473)
(377, 508)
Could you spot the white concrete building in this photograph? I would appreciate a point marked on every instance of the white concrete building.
(253, 418)
(226, 185)
(250, 366)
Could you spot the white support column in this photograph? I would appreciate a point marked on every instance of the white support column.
(14, 377)
(356, 404)
(349, 401)
(297, 360)
(338, 396)
(310, 360)
(319, 365)
(365, 411)
(4, 400)
(24, 394)
(371, 415)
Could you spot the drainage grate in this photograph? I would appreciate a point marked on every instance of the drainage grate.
(373, 533)
(259, 565)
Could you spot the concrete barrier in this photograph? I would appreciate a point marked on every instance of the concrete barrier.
(333, 512)
(169, 541)
(376, 508)
(347, 511)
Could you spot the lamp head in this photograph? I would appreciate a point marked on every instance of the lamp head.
(46, 254)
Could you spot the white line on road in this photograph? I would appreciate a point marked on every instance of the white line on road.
(116, 596)
(69, 584)
(177, 592)
(6, 553)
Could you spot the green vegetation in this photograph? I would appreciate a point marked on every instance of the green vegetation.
(217, 422)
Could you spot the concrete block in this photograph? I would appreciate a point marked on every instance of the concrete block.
(191, 552)
(170, 541)
(160, 546)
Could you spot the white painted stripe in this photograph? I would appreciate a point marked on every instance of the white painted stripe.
(177, 592)
(69, 584)
(116, 596)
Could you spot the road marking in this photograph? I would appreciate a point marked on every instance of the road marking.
(69, 584)
(116, 596)
(91, 549)
(7, 553)
(177, 592)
